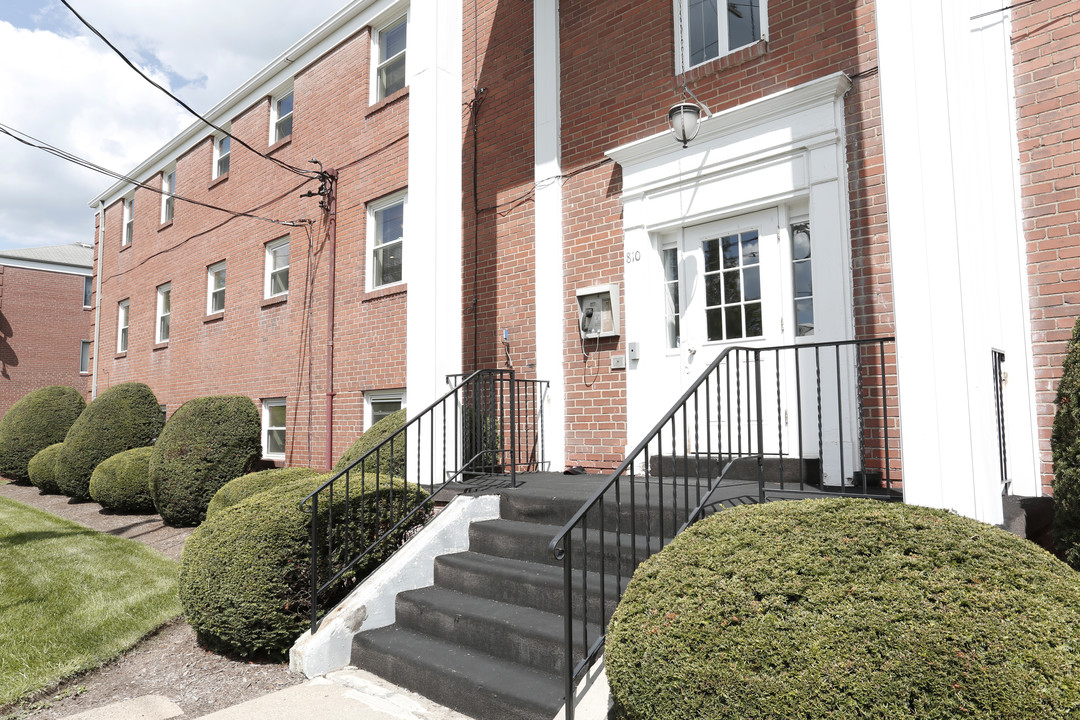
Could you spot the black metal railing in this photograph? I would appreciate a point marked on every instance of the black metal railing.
(791, 420)
(998, 362)
(489, 422)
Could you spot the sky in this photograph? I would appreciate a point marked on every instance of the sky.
(62, 85)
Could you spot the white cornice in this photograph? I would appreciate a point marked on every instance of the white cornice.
(350, 19)
(730, 121)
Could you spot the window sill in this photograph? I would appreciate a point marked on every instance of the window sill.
(166, 224)
(271, 302)
(214, 317)
(391, 99)
(124, 248)
(84, 374)
(279, 144)
(217, 181)
(160, 346)
(724, 62)
(119, 355)
(379, 293)
(88, 308)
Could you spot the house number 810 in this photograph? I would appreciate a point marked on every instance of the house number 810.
(633, 257)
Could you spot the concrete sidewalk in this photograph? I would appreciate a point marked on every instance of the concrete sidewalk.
(348, 694)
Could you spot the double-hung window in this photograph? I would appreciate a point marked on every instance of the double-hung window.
(129, 221)
(281, 127)
(386, 237)
(273, 428)
(222, 146)
(389, 51)
(215, 288)
(708, 29)
(87, 291)
(123, 311)
(276, 282)
(84, 357)
(164, 303)
(168, 188)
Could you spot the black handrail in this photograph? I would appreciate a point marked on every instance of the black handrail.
(667, 494)
(998, 363)
(480, 412)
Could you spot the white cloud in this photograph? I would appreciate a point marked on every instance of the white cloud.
(64, 86)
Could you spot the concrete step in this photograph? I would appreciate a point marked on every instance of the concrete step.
(525, 636)
(533, 585)
(461, 678)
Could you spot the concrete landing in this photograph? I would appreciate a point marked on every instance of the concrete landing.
(147, 707)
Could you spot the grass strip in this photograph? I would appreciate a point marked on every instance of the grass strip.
(72, 598)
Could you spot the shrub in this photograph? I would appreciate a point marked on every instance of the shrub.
(40, 419)
(122, 482)
(245, 572)
(43, 469)
(847, 609)
(245, 486)
(207, 442)
(389, 463)
(123, 417)
(1065, 449)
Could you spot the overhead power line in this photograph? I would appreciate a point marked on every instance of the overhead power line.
(144, 76)
(33, 142)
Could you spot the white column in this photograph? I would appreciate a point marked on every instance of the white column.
(547, 141)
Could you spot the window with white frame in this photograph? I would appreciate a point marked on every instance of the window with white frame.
(273, 428)
(386, 236)
(84, 357)
(222, 147)
(129, 221)
(276, 283)
(87, 291)
(123, 311)
(389, 55)
(215, 288)
(381, 403)
(708, 29)
(164, 303)
(669, 256)
(168, 188)
(281, 117)
(802, 271)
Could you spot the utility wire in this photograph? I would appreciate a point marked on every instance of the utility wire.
(133, 66)
(33, 142)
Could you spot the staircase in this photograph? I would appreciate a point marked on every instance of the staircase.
(487, 639)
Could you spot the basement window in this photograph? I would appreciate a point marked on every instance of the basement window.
(273, 428)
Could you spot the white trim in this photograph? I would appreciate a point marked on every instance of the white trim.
(127, 230)
(375, 396)
(268, 252)
(399, 198)
(211, 271)
(268, 403)
(286, 91)
(168, 192)
(376, 64)
(215, 169)
(123, 322)
(161, 314)
(47, 266)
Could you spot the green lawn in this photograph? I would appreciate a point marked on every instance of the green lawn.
(72, 598)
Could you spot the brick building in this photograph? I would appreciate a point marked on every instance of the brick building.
(509, 194)
(45, 304)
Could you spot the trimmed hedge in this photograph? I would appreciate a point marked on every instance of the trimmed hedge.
(245, 572)
(847, 609)
(43, 470)
(122, 482)
(207, 442)
(40, 419)
(392, 464)
(243, 487)
(1065, 449)
(123, 417)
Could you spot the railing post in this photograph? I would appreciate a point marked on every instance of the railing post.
(760, 427)
(568, 626)
(513, 431)
(314, 563)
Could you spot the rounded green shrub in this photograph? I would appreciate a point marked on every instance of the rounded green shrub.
(1065, 449)
(388, 462)
(847, 609)
(245, 581)
(245, 486)
(43, 469)
(207, 442)
(40, 419)
(123, 417)
(122, 482)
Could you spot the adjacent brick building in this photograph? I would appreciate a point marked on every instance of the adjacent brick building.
(45, 326)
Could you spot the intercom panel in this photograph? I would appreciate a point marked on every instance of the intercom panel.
(598, 311)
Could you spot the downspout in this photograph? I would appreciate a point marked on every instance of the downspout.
(100, 247)
(331, 231)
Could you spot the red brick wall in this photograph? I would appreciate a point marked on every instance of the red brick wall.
(42, 326)
(1046, 47)
(256, 348)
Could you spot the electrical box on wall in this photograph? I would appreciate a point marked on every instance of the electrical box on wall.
(598, 311)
